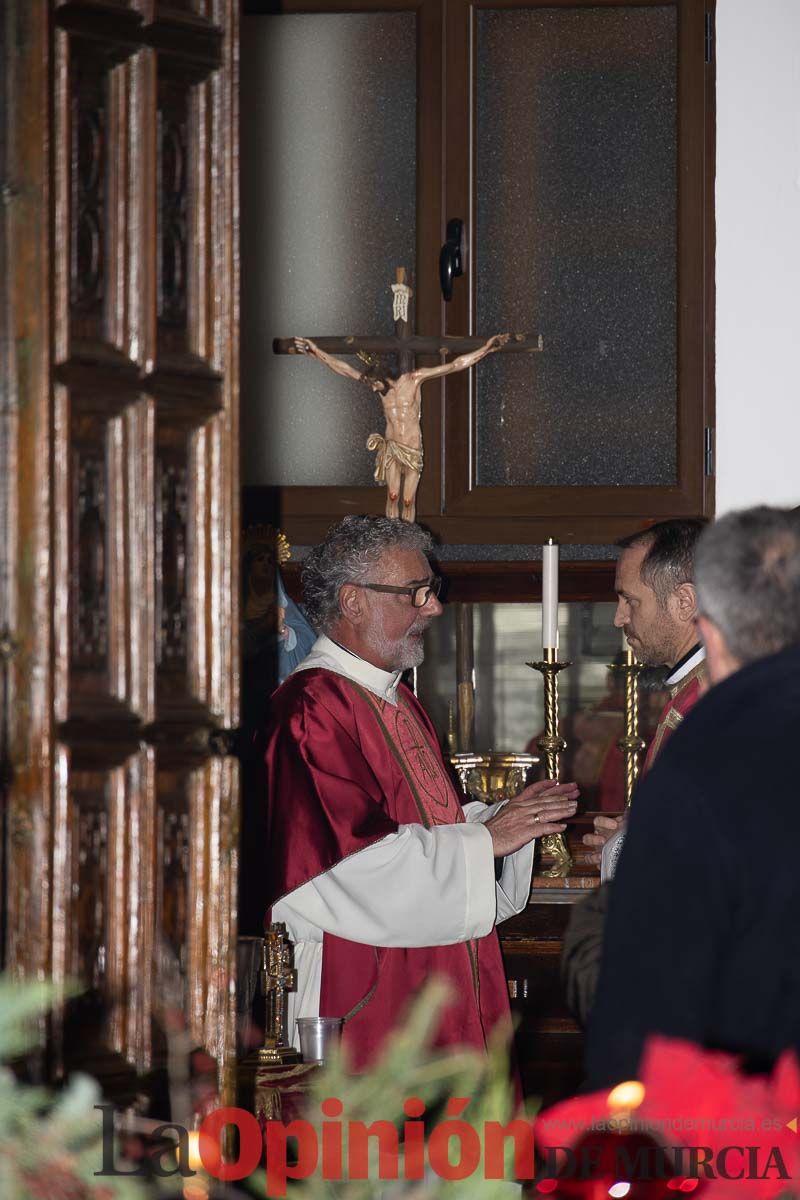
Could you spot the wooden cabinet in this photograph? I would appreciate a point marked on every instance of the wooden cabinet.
(548, 1041)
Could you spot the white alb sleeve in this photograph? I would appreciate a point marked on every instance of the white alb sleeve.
(416, 887)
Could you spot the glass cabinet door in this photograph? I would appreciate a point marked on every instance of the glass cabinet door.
(586, 226)
(329, 211)
(575, 152)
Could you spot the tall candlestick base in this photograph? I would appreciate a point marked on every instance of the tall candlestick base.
(553, 846)
(631, 744)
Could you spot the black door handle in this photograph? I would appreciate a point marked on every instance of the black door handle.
(451, 257)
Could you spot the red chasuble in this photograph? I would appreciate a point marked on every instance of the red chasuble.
(345, 768)
(683, 698)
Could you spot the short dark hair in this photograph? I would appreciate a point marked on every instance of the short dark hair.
(748, 580)
(349, 554)
(669, 560)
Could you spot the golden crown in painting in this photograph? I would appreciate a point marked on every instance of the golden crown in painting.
(259, 537)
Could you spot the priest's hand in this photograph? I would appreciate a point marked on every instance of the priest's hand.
(537, 811)
(604, 827)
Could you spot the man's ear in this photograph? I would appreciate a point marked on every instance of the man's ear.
(686, 597)
(351, 603)
(721, 662)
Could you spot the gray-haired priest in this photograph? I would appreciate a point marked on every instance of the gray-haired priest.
(382, 877)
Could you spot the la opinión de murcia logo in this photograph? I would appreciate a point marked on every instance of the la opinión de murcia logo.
(453, 1149)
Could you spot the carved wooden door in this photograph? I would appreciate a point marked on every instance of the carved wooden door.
(121, 510)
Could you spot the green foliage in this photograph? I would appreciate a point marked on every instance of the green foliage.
(21, 1006)
(50, 1144)
(409, 1068)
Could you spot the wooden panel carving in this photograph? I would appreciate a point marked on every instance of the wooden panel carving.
(173, 249)
(132, 557)
(212, 902)
(195, 919)
(88, 170)
(173, 860)
(97, 152)
(81, 870)
(121, 506)
(89, 886)
(102, 888)
(104, 556)
(172, 534)
(88, 566)
(192, 591)
(131, 907)
(174, 880)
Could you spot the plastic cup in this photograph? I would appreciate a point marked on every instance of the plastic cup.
(318, 1035)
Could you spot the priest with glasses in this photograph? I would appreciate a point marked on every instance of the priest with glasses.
(382, 876)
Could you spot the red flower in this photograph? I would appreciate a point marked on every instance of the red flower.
(726, 1133)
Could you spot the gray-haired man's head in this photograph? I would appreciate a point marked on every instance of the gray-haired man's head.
(359, 585)
(748, 585)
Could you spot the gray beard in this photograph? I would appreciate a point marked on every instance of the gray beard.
(403, 653)
(409, 654)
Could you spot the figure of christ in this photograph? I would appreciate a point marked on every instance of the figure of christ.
(399, 452)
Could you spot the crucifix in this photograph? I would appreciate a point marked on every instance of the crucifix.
(278, 977)
(399, 452)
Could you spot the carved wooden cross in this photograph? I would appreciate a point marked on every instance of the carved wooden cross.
(407, 345)
(399, 454)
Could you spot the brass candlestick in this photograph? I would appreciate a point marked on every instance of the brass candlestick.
(465, 679)
(631, 744)
(451, 739)
(278, 978)
(553, 845)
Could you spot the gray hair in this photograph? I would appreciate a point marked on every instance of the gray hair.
(350, 553)
(748, 580)
(669, 560)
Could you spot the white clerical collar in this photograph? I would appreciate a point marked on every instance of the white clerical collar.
(687, 664)
(330, 656)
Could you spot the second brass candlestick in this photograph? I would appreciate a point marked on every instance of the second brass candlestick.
(631, 744)
(553, 845)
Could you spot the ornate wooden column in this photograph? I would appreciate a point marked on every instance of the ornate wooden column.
(123, 511)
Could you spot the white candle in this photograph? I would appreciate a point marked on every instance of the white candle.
(550, 595)
(625, 646)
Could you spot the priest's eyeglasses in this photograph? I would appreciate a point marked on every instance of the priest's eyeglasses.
(420, 593)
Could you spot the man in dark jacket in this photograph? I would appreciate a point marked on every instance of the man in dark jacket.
(703, 939)
(657, 609)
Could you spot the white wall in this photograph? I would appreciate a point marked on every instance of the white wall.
(758, 252)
